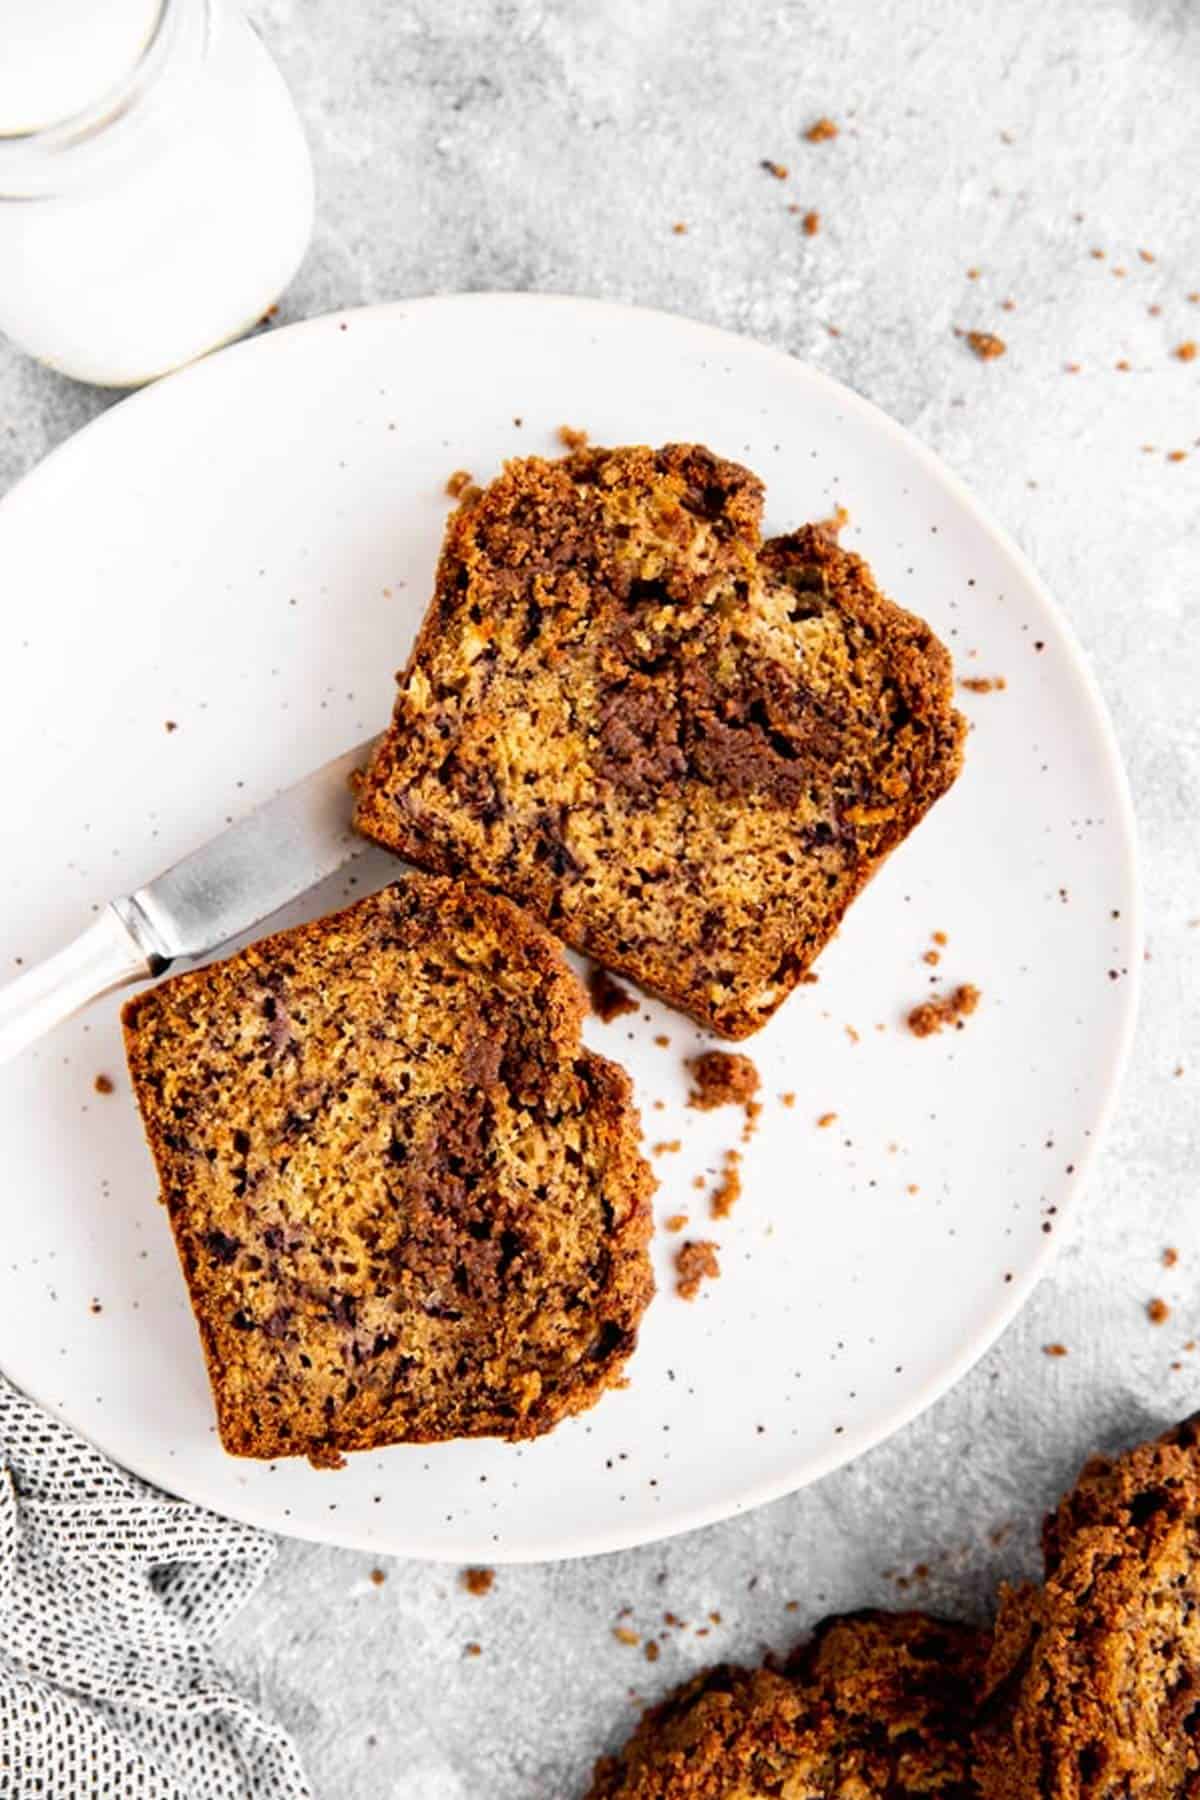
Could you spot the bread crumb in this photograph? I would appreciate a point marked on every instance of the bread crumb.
(932, 957)
(821, 130)
(667, 1148)
(851, 1034)
(695, 1261)
(729, 1189)
(676, 1222)
(949, 1009)
(810, 224)
(836, 523)
(473, 1650)
(103, 1084)
(95, 1307)
(571, 437)
(623, 1635)
(651, 1651)
(986, 344)
(1054, 1349)
(170, 725)
(1185, 352)
(478, 1581)
(459, 482)
(827, 1119)
(378, 1576)
(609, 999)
(679, 228)
(721, 1078)
(777, 169)
(1176, 455)
(1170, 1257)
(1146, 255)
(939, 937)
(983, 684)
(788, 1099)
(1158, 1312)
(912, 1188)
(663, 1041)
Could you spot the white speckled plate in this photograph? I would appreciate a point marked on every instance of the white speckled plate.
(245, 549)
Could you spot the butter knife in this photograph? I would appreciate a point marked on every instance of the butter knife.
(240, 877)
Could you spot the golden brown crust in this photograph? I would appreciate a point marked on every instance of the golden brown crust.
(877, 1707)
(684, 749)
(1093, 1687)
(409, 1206)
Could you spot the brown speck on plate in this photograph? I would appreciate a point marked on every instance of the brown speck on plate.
(1054, 1349)
(1157, 1311)
(378, 1577)
(826, 1119)
(1170, 1257)
(679, 228)
(571, 437)
(983, 684)
(821, 131)
(810, 224)
(170, 725)
(624, 1635)
(777, 169)
(675, 1222)
(478, 1581)
(103, 1084)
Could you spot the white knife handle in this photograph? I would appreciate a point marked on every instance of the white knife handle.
(105, 957)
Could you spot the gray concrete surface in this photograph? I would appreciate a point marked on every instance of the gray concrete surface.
(545, 144)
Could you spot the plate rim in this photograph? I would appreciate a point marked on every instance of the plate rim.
(992, 1324)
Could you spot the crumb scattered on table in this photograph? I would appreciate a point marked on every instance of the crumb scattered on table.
(651, 1651)
(788, 1099)
(669, 1147)
(721, 1078)
(695, 1262)
(473, 1650)
(458, 483)
(826, 1119)
(821, 131)
(103, 1084)
(1186, 352)
(624, 1635)
(1170, 1257)
(572, 437)
(1158, 1312)
(663, 1041)
(948, 1009)
(679, 228)
(170, 725)
(378, 1577)
(810, 224)
(728, 1190)
(478, 1581)
(1054, 1349)
(676, 1222)
(777, 169)
(986, 344)
(983, 684)
(609, 999)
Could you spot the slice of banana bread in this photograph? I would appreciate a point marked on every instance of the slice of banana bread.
(686, 750)
(877, 1707)
(408, 1204)
(1093, 1686)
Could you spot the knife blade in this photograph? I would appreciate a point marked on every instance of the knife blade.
(272, 856)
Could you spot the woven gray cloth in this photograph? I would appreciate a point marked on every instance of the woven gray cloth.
(111, 1595)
